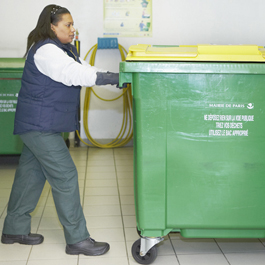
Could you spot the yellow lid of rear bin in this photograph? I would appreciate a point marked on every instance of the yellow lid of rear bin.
(201, 52)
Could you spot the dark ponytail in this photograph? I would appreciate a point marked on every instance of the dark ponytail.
(50, 14)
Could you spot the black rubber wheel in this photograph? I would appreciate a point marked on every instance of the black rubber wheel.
(148, 258)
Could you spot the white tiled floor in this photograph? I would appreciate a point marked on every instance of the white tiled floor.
(106, 186)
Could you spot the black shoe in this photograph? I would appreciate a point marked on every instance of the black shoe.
(88, 247)
(30, 239)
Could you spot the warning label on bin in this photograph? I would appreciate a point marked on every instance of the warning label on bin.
(8, 105)
(229, 125)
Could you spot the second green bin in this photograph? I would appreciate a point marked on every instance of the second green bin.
(11, 70)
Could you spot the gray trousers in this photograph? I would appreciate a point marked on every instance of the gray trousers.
(45, 156)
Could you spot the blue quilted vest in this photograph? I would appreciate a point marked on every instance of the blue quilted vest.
(43, 104)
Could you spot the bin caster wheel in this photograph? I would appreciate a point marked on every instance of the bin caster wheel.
(148, 258)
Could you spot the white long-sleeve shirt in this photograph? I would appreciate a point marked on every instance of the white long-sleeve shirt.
(56, 64)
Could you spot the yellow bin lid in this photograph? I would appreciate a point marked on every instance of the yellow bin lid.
(201, 52)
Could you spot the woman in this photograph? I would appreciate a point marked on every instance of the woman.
(47, 105)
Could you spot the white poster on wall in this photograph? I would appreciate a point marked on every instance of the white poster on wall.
(127, 18)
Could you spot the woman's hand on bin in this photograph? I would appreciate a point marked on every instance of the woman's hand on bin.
(108, 78)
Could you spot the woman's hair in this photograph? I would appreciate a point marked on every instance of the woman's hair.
(50, 14)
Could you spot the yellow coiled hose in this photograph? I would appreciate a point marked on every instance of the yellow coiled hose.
(123, 138)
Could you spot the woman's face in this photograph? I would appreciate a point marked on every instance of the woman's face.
(64, 30)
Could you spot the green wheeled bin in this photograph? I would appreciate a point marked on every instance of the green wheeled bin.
(199, 160)
(11, 70)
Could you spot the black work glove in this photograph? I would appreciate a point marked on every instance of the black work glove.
(107, 79)
(124, 85)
